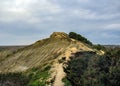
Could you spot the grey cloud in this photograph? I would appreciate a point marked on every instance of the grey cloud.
(87, 17)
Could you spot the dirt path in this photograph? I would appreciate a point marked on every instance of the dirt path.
(57, 71)
(59, 75)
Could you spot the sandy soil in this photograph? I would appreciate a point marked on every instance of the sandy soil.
(59, 75)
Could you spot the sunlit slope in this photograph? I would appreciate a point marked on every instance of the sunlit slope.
(6, 51)
(42, 52)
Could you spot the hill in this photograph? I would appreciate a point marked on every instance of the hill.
(48, 51)
(55, 61)
(41, 52)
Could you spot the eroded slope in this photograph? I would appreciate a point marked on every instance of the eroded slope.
(53, 51)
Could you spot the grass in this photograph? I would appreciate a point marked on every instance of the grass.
(38, 77)
(66, 82)
(35, 77)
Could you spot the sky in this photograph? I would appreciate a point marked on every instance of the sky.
(23, 22)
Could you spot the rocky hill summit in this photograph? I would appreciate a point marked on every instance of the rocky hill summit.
(59, 35)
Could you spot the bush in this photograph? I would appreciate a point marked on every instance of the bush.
(66, 82)
(94, 70)
(79, 38)
(99, 47)
(15, 79)
(35, 77)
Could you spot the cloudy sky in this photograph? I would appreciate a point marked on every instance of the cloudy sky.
(26, 21)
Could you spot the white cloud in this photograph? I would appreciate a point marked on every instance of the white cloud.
(112, 26)
(26, 10)
(46, 16)
(88, 14)
(37, 11)
(83, 1)
(14, 10)
(108, 35)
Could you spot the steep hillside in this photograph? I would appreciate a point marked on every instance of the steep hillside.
(41, 52)
(54, 51)
(6, 51)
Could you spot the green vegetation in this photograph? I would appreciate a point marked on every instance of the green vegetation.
(13, 79)
(79, 38)
(35, 77)
(99, 47)
(66, 82)
(94, 70)
(85, 40)
(38, 77)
